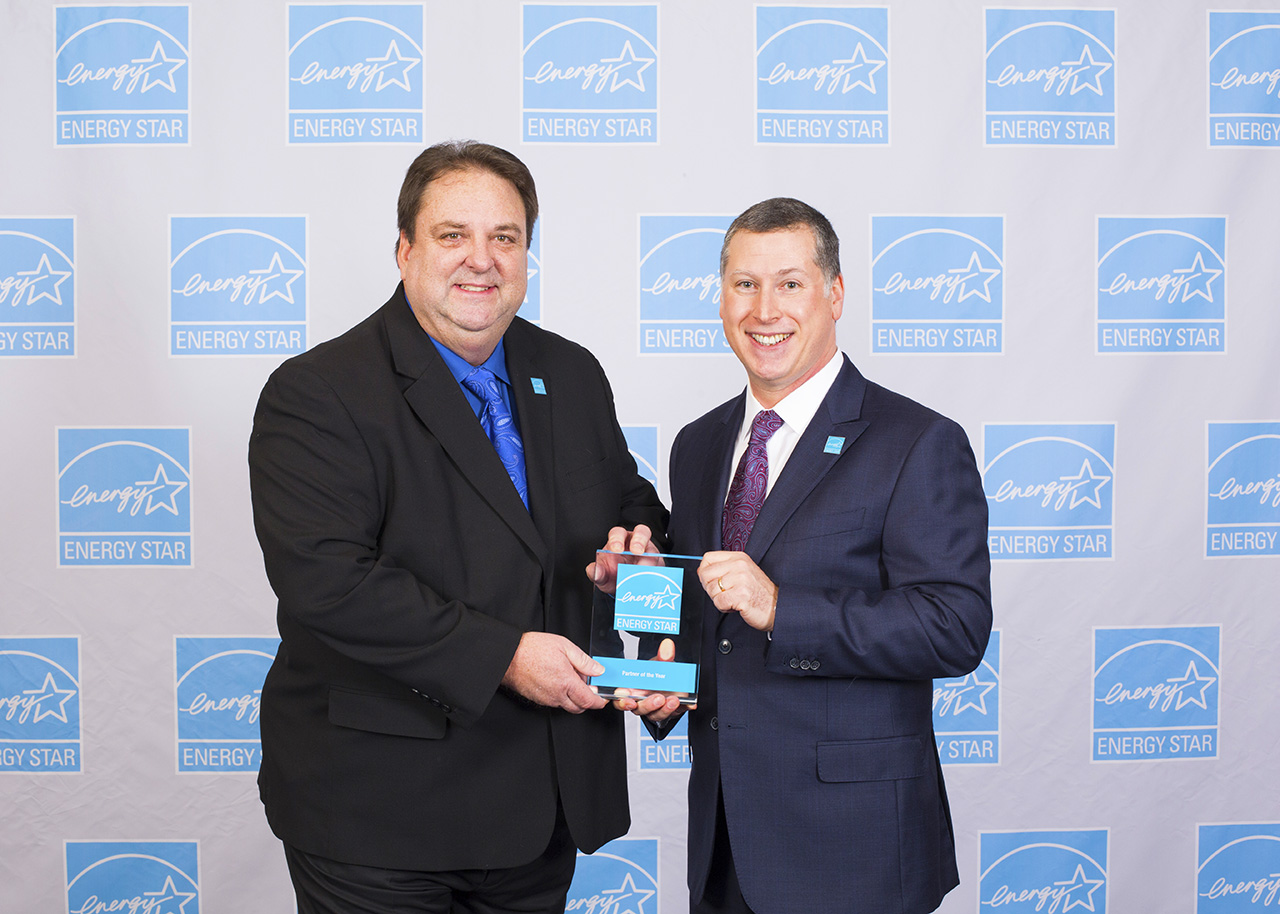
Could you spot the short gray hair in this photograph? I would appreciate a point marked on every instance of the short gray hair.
(779, 214)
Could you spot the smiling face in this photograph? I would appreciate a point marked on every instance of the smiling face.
(779, 316)
(466, 271)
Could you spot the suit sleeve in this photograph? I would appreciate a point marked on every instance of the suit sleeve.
(929, 615)
(317, 506)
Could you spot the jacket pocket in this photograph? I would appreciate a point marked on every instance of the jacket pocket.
(387, 714)
(871, 759)
(806, 526)
(585, 477)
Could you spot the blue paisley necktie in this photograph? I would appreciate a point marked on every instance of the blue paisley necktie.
(500, 426)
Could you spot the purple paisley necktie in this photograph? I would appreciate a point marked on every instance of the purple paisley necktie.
(746, 492)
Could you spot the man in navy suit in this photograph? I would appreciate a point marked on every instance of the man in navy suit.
(427, 488)
(844, 531)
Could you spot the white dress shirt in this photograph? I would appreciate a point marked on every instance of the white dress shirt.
(796, 410)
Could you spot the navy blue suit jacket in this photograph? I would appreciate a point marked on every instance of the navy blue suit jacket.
(822, 738)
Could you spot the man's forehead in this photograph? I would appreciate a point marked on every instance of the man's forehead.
(794, 239)
(458, 175)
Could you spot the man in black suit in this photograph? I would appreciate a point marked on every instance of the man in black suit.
(427, 489)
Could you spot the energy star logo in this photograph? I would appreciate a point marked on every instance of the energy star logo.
(1155, 693)
(642, 444)
(237, 285)
(966, 713)
(40, 705)
(1244, 79)
(822, 75)
(122, 75)
(156, 877)
(671, 753)
(937, 284)
(1050, 78)
(531, 309)
(1162, 284)
(124, 496)
(37, 286)
(355, 73)
(1243, 489)
(620, 878)
(680, 284)
(1049, 872)
(1238, 868)
(648, 599)
(218, 686)
(590, 74)
(1049, 489)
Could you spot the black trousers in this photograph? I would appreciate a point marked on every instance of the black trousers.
(539, 887)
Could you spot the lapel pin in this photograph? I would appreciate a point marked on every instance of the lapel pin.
(538, 387)
(834, 445)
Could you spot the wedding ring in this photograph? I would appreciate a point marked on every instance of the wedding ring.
(720, 581)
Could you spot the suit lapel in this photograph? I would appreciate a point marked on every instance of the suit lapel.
(536, 416)
(435, 397)
(839, 416)
(716, 472)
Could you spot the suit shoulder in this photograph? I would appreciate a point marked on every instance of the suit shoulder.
(883, 404)
(558, 348)
(350, 351)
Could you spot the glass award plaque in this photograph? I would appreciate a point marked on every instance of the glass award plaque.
(642, 601)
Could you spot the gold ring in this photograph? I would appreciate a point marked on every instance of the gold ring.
(720, 581)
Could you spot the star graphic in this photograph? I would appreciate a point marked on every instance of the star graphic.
(40, 274)
(1195, 271)
(625, 60)
(275, 270)
(978, 701)
(149, 81)
(1082, 67)
(666, 599)
(159, 484)
(1083, 478)
(857, 62)
(614, 904)
(55, 695)
(168, 892)
(1085, 885)
(530, 272)
(1192, 680)
(387, 60)
(975, 269)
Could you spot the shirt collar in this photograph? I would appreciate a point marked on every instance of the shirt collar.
(798, 407)
(460, 367)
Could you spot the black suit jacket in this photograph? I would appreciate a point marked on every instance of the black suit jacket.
(407, 569)
(821, 738)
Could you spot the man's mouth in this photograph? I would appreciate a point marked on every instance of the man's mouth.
(469, 287)
(769, 339)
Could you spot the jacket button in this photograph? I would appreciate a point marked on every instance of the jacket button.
(725, 645)
(715, 723)
(815, 663)
(805, 664)
(795, 663)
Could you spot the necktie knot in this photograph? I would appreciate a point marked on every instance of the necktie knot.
(750, 480)
(498, 423)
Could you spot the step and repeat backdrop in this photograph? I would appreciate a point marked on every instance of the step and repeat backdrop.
(1060, 227)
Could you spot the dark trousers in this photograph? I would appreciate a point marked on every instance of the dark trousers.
(539, 887)
(722, 895)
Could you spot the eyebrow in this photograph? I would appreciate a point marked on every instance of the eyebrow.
(507, 228)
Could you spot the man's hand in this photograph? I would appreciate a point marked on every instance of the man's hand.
(551, 670)
(604, 573)
(735, 583)
(655, 706)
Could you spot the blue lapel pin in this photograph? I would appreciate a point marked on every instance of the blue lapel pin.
(538, 387)
(834, 445)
